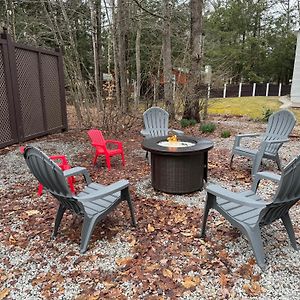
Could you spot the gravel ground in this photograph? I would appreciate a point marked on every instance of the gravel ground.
(23, 270)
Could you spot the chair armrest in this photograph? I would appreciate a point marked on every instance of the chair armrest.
(177, 132)
(264, 175)
(268, 175)
(277, 141)
(60, 157)
(145, 133)
(114, 142)
(79, 171)
(242, 135)
(239, 137)
(218, 191)
(107, 190)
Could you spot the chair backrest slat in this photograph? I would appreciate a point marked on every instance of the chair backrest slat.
(287, 194)
(96, 136)
(50, 175)
(156, 121)
(280, 125)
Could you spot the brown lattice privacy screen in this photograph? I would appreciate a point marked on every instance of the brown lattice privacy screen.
(32, 97)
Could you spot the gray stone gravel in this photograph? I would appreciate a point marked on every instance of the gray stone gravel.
(280, 281)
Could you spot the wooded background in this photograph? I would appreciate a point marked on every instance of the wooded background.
(141, 42)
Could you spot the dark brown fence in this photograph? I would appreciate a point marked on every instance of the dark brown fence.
(32, 95)
(259, 89)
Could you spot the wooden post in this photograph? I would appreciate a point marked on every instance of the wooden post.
(240, 89)
(267, 89)
(254, 89)
(224, 91)
(279, 89)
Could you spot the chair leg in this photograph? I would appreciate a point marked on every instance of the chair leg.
(255, 183)
(207, 207)
(231, 160)
(278, 162)
(290, 230)
(40, 189)
(107, 158)
(59, 215)
(95, 158)
(71, 181)
(86, 232)
(123, 159)
(254, 237)
(125, 195)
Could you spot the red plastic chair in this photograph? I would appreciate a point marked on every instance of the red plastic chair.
(62, 162)
(100, 145)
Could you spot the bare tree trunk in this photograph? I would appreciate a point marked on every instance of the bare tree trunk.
(122, 54)
(77, 74)
(10, 18)
(99, 32)
(115, 52)
(167, 59)
(138, 63)
(157, 79)
(191, 107)
(95, 42)
(60, 41)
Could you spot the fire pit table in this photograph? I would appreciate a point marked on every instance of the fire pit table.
(178, 167)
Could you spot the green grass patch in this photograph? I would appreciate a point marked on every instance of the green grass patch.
(253, 107)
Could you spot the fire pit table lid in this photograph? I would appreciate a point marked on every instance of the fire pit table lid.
(197, 145)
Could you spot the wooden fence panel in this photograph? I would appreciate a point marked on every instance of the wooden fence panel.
(32, 96)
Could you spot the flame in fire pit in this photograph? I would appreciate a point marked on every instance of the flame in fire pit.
(172, 139)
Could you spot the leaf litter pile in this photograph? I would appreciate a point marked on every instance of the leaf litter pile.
(163, 257)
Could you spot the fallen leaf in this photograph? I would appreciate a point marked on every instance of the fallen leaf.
(32, 212)
(123, 261)
(223, 280)
(4, 293)
(254, 289)
(190, 282)
(153, 267)
(187, 233)
(12, 240)
(223, 254)
(179, 218)
(150, 228)
(167, 273)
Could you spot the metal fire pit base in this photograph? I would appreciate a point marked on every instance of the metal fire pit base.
(178, 170)
(178, 174)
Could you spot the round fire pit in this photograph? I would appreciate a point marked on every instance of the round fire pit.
(178, 167)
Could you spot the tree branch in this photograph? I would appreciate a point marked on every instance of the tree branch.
(147, 11)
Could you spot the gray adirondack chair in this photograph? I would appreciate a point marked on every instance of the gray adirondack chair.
(279, 127)
(93, 203)
(248, 212)
(156, 122)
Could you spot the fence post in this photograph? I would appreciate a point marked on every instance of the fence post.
(267, 89)
(62, 89)
(279, 89)
(253, 89)
(14, 84)
(240, 89)
(208, 91)
(9, 92)
(224, 91)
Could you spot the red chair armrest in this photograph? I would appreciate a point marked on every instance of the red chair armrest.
(114, 142)
(62, 158)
